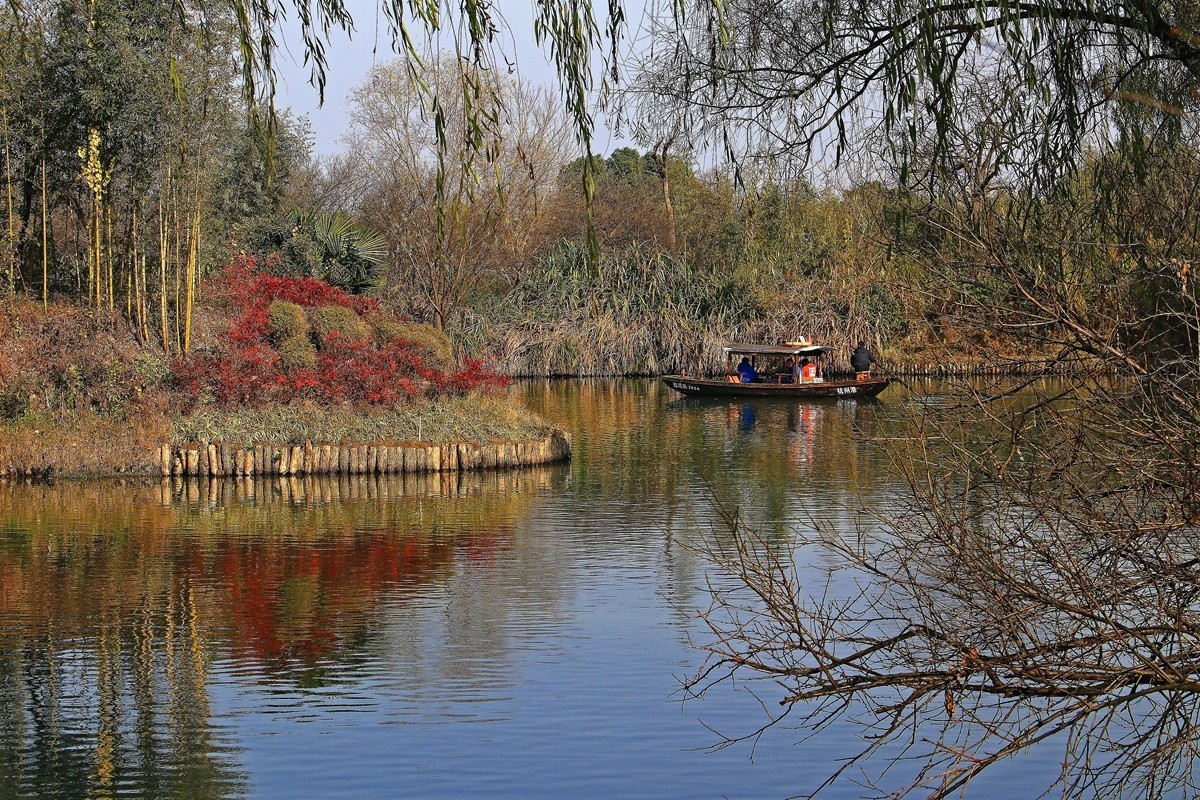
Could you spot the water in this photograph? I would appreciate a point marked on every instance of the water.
(503, 635)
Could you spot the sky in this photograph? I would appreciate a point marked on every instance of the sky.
(349, 60)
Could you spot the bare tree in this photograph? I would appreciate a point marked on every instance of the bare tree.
(457, 216)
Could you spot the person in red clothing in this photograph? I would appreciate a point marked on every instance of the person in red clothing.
(808, 370)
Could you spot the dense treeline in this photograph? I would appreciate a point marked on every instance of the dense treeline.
(128, 158)
(131, 172)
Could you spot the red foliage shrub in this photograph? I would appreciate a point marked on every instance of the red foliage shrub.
(246, 369)
(250, 287)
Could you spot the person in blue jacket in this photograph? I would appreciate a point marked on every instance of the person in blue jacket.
(746, 370)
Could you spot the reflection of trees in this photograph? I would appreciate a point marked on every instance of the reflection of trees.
(692, 440)
(114, 601)
(105, 717)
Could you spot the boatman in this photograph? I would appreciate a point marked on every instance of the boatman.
(746, 370)
(861, 360)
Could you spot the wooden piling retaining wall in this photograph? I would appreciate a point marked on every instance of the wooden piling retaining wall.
(216, 459)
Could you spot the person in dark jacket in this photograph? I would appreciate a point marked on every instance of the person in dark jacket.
(861, 360)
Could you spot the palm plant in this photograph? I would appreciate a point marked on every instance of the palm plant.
(331, 247)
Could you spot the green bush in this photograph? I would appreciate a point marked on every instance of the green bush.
(297, 352)
(286, 321)
(433, 345)
(340, 320)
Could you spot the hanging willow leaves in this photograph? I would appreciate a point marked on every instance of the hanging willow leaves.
(797, 81)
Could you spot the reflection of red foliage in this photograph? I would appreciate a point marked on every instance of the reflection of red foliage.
(344, 579)
(246, 370)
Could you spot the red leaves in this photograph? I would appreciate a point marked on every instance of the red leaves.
(473, 374)
(247, 370)
(249, 287)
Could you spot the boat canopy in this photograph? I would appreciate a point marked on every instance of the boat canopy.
(776, 350)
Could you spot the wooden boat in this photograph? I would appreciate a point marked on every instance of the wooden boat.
(775, 380)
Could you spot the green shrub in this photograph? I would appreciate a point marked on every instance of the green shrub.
(340, 320)
(297, 352)
(433, 345)
(286, 321)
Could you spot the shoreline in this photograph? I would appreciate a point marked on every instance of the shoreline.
(222, 459)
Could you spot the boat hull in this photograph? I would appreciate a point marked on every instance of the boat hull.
(710, 387)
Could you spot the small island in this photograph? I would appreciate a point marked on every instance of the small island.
(288, 376)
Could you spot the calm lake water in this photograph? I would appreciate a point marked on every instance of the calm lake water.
(506, 635)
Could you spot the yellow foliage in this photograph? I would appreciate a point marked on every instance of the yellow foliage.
(432, 343)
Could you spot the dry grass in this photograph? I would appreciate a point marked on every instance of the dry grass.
(473, 418)
(83, 444)
(95, 444)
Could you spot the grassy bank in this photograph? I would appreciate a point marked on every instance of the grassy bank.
(91, 444)
(477, 418)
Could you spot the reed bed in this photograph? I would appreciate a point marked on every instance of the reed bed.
(634, 313)
(84, 443)
(641, 312)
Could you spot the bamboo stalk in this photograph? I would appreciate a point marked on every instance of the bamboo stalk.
(45, 239)
(162, 269)
(11, 254)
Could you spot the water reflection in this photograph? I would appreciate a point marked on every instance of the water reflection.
(115, 599)
(409, 635)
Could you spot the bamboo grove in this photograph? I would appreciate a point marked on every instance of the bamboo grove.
(126, 157)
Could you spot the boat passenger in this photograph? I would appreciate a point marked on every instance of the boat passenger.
(861, 360)
(746, 370)
(788, 375)
(808, 370)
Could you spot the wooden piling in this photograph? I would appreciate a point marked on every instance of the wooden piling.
(215, 459)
